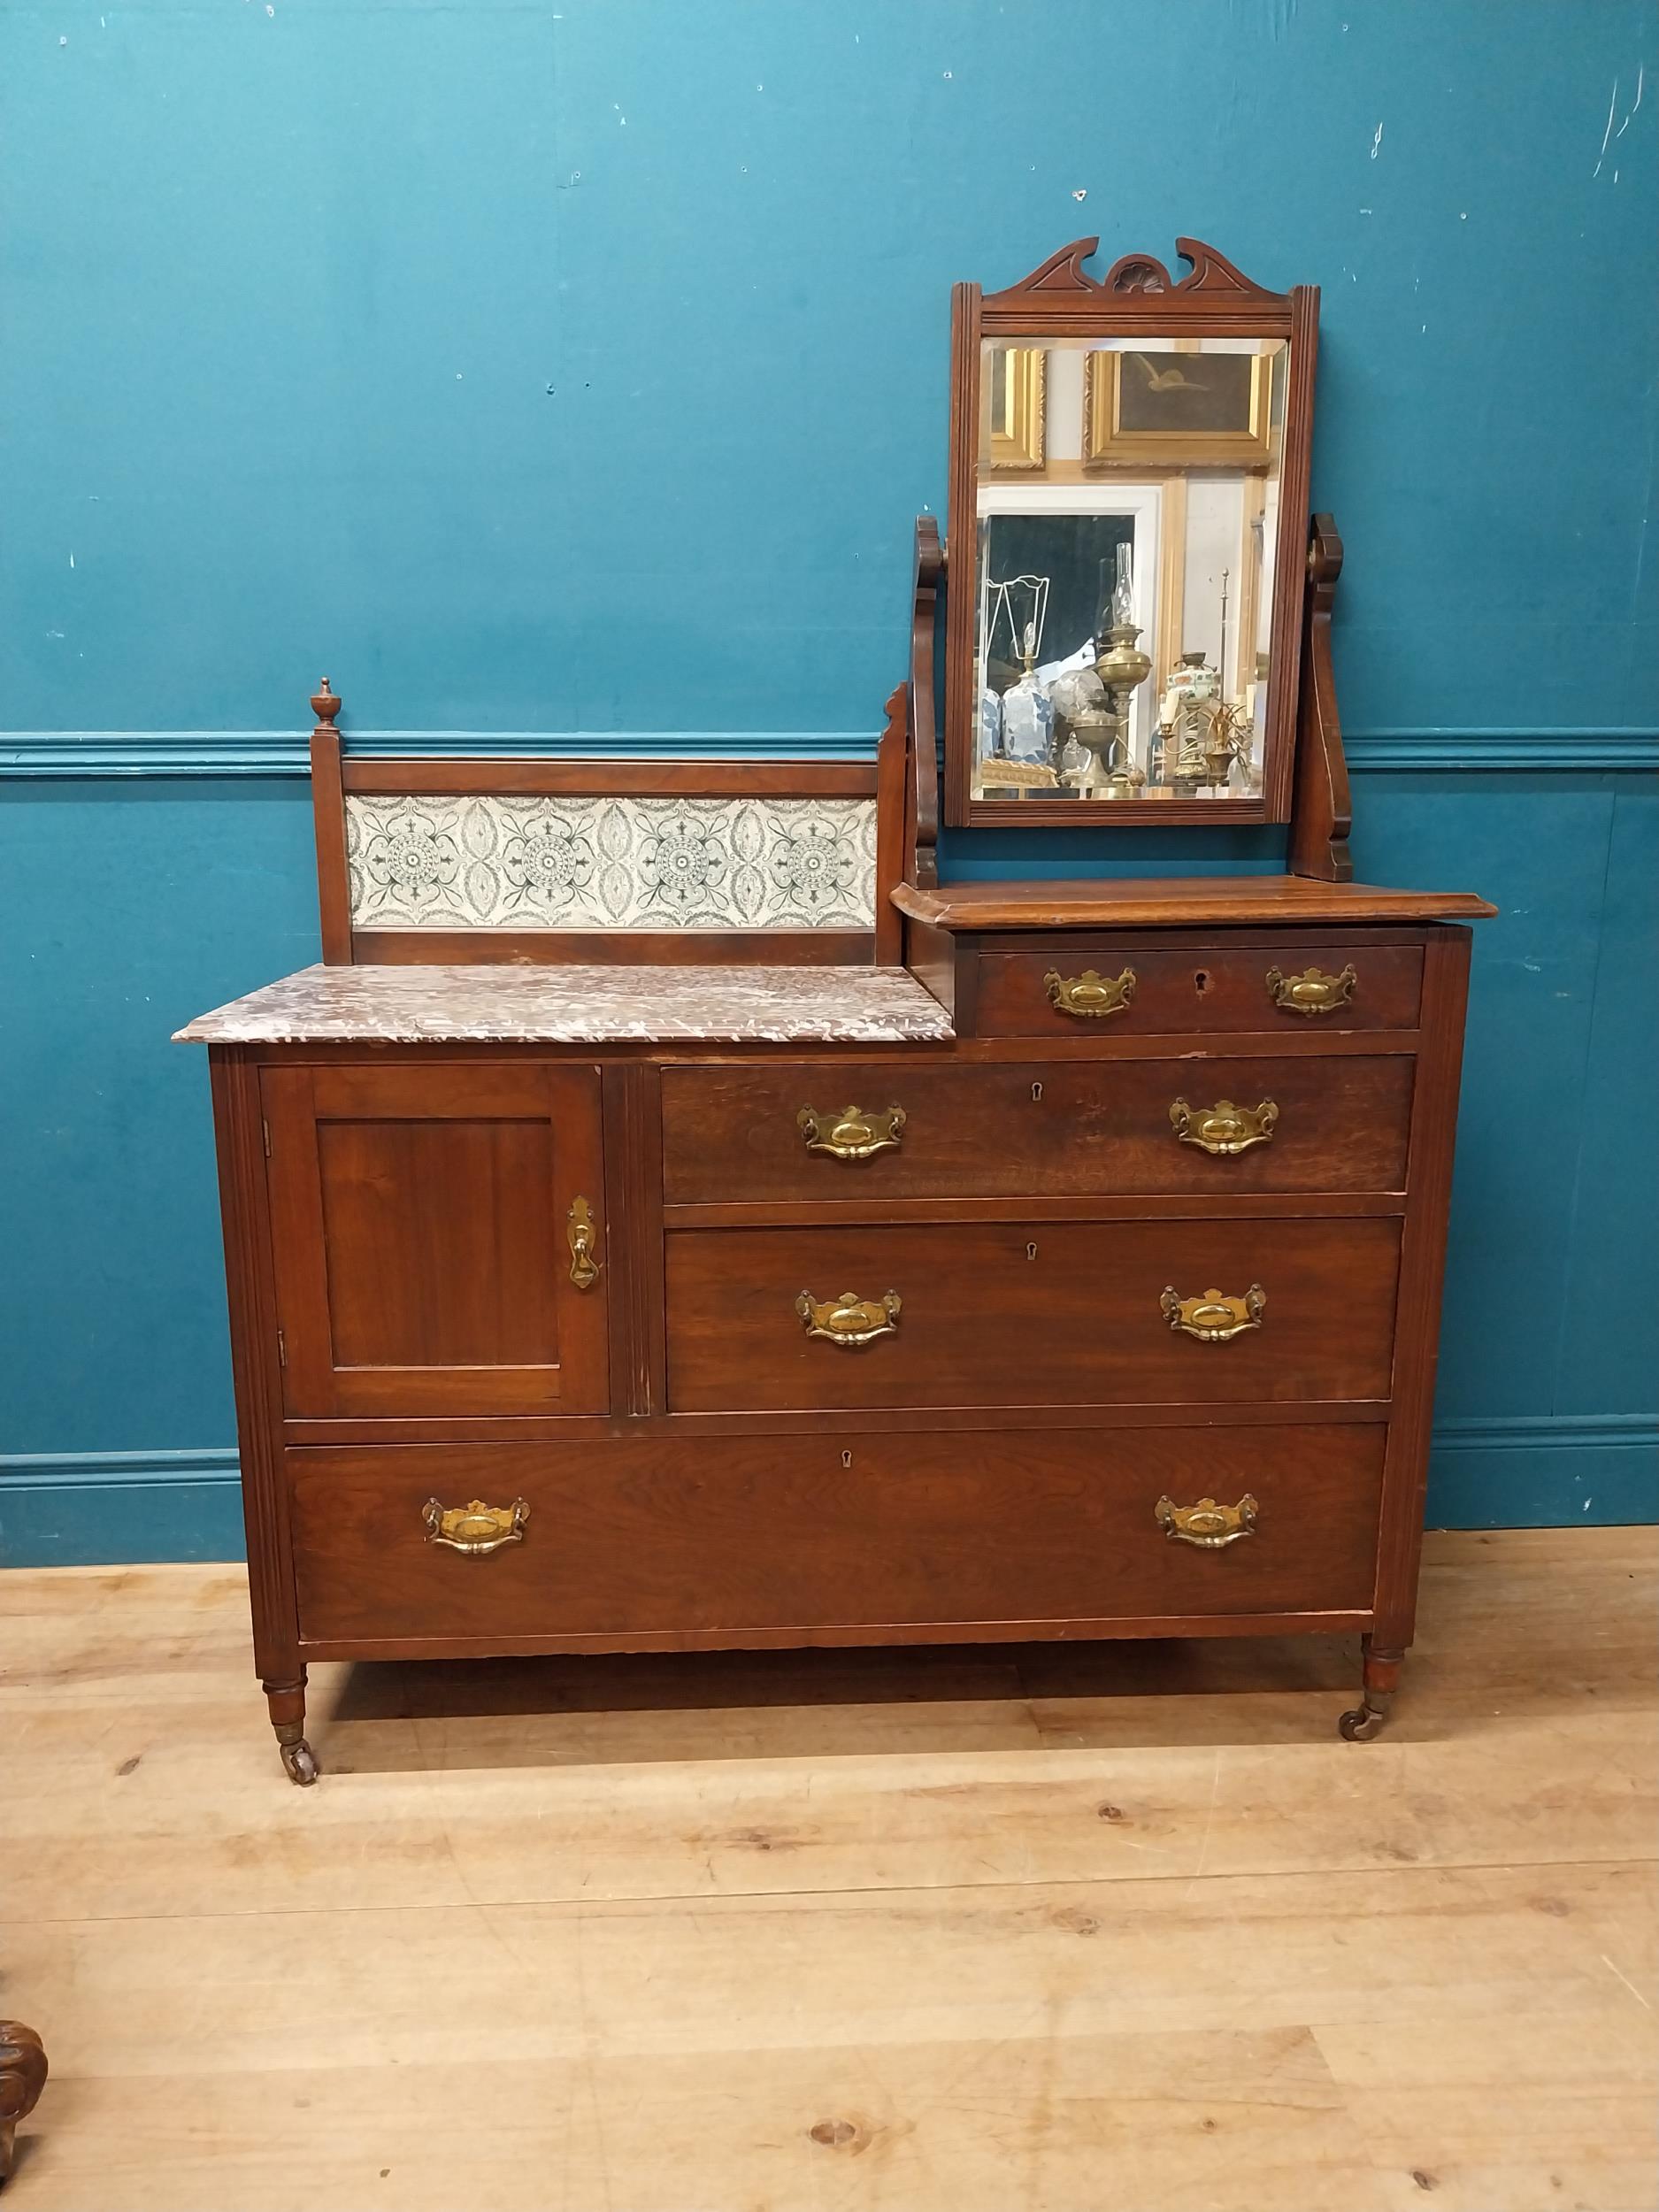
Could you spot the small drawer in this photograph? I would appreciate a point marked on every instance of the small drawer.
(808, 1130)
(674, 1540)
(1048, 1313)
(1094, 990)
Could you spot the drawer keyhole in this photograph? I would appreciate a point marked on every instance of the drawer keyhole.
(1036, 1092)
(1201, 980)
(847, 1459)
(1031, 1251)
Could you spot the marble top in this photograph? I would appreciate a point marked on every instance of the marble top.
(496, 1003)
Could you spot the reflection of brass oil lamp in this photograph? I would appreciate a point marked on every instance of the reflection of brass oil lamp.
(1105, 730)
(1093, 699)
(1123, 664)
(1120, 666)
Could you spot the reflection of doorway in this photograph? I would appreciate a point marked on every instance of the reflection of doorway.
(1064, 532)
(1078, 556)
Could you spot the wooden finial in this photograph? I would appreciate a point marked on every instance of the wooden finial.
(324, 706)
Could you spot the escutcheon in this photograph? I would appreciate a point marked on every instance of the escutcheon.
(850, 1320)
(475, 1529)
(1214, 1317)
(1312, 992)
(1091, 995)
(852, 1135)
(1224, 1128)
(1211, 1526)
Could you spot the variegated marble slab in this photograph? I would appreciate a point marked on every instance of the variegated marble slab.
(502, 1004)
(483, 861)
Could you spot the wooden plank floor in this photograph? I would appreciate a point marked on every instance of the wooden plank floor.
(1033, 1930)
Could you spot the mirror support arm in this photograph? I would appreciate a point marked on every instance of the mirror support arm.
(1321, 812)
(921, 797)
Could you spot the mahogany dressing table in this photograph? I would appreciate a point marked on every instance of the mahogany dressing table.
(671, 1218)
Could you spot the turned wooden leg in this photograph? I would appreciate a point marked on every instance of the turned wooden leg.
(22, 2077)
(1382, 1679)
(287, 1701)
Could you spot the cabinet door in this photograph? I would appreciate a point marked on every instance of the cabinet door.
(421, 1224)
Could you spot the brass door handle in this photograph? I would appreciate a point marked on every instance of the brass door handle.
(850, 1320)
(852, 1135)
(584, 1237)
(1091, 995)
(1215, 1316)
(1211, 1526)
(475, 1529)
(1312, 992)
(1224, 1128)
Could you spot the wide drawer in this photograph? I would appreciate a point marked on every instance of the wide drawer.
(1012, 1314)
(1094, 990)
(671, 1539)
(832, 1130)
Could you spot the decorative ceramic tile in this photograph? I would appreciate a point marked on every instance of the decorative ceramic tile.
(608, 863)
(497, 1003)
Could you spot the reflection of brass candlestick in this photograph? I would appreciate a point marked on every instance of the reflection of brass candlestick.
(1110, 774)
(1095, 729)
(1190, 766)
(1221, 658)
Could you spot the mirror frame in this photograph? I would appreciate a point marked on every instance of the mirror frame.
(1060, 300)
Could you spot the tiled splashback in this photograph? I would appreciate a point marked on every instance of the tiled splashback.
(606, 862)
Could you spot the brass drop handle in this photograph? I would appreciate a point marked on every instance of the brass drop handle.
(1090, 996)
(1211, 1526)
(852, 1135)
(475, 1529)
(1215, 1316)
(850, 1320)
(1312, 992)
(584, 1236)
(1224, 1128)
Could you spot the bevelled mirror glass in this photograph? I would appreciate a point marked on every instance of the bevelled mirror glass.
(1128, 527)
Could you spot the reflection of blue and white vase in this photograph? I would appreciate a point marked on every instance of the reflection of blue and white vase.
(990, 724)
(1027, 723)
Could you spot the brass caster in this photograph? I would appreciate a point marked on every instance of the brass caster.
(299, 1763)
(22, 2077)
(1361, 1724)
(299, 1760)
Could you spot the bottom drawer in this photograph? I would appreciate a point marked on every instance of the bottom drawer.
(668, 1539)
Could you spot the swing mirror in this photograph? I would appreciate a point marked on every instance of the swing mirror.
(1127, 543)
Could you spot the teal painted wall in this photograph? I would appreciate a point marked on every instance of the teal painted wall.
(580, 368)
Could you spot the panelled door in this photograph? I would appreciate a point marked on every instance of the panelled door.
(438, 1239)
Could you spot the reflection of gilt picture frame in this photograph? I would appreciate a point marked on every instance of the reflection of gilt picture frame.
(1193, 409)
(1014, 408)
